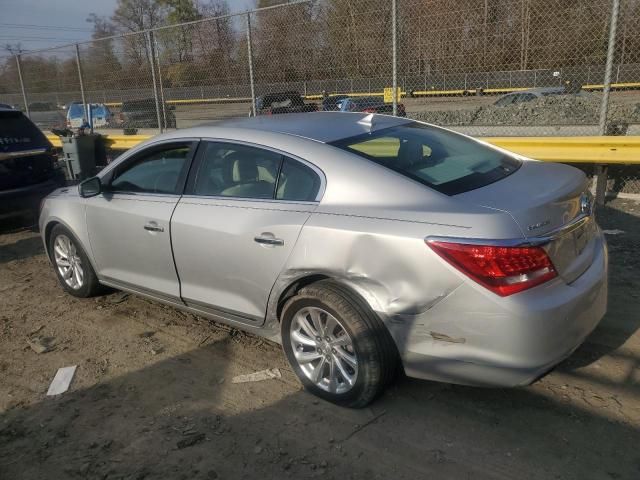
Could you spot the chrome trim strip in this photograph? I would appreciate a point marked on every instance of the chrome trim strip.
(246, 199)
(23, 153)
(549, 237)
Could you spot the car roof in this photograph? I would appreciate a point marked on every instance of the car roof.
(319, 126)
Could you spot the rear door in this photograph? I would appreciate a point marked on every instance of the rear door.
(236, 225)
(129, 221)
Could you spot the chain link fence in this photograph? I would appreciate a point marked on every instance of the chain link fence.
(481, 67)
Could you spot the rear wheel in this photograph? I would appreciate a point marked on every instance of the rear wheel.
(71, 264)
(338, 348)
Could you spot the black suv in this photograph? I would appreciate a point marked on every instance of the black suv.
(142, 114)
(283, 102)
(28, 167)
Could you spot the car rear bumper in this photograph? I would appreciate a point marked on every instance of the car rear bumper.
(20, 200)
(473, 337)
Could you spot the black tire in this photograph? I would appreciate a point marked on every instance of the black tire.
(90, 285)
(374, 348)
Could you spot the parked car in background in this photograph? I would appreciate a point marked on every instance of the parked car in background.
(532, 94)
(358, 241)
(332, 102)
(28, 167)
(370, 105)
(142, 114)
(46, 115)
(7, 106)
(101, 115)
(283, 102)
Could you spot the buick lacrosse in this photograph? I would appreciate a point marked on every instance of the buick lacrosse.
(364, 244)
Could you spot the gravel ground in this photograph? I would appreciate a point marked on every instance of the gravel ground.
(152, 397)
(581, 109)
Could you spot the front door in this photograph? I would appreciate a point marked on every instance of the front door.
(236, 225)
(129, 223)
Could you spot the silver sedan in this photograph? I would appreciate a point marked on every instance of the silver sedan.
(365, 244)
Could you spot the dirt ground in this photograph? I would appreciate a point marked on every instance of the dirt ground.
(152, 397)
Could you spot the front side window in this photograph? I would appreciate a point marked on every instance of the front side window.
(155, 172)
(445, 161)
(230, 170)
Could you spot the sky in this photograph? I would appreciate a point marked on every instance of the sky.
(37, 24)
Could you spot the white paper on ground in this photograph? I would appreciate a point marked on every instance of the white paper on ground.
(257, 376)
(62, 380)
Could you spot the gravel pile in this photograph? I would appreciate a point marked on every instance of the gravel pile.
(553, 110)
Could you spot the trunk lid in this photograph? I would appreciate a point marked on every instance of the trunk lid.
(547, 199)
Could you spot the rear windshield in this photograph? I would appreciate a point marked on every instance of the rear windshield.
(18, 133)
(442, 160)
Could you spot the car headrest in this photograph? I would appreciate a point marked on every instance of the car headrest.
(245, 170)
(238, 168)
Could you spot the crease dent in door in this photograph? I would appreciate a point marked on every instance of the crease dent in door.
(173, 255)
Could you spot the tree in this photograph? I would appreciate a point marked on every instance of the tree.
(284, 41)
(104, 69)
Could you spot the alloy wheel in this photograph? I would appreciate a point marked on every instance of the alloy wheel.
(324, 350)
(68, 262)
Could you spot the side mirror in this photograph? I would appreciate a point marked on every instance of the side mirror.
(90, 187)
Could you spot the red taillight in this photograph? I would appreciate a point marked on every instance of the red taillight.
(503, 270)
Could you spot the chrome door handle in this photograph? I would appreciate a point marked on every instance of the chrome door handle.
(269, 240)
(153, 227)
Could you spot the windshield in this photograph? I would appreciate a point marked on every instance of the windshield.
(442, 160)
(76, 110)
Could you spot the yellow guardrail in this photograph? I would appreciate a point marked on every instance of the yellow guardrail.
(116, 142)
(417, 93)
(598, 150)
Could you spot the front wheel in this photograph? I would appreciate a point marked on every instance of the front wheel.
(71, 264)
(338, 348)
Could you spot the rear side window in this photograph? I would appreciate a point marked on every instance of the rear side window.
(18, 133)
(231, 170)
(297, 182)
(443, 160)
(242, 171)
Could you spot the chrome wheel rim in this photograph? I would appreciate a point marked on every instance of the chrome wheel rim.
(68, 262)
(324, 350)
